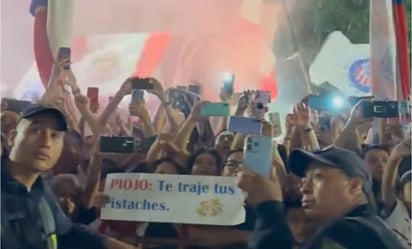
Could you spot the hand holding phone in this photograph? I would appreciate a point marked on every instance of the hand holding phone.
(63, 57)
(137, 95)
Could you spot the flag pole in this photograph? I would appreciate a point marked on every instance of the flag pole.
(297, 48)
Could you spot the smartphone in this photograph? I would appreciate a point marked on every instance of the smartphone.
(194, 89)
(137, 95)
(93, 95)
(353, 100)
(14, 105)
(380, 109)
(145, 144)
(141, 84)
(228, 84)
(258, 154)
(184, 88)
(328, 103)
(116, 144)
(244, 125)
(220, 109)
(64, 53)
(262, 97)
(274, 119)
(178, 101)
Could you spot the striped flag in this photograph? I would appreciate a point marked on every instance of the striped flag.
(390, 75)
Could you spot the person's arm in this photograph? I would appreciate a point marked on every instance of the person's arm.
(159, 120)
(271, 229)
(302, 114)
(349, 138)
(238, 141)
(290, 130)
(92, 180)
(124, 90)
(71, 235)
(183, 135)
(390, 173)
(138, 109)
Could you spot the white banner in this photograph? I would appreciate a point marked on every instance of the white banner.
(183, 199)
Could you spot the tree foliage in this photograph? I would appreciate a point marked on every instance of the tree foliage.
(313, 20)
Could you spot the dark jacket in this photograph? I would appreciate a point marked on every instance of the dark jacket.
(21, 225)
(359, 229)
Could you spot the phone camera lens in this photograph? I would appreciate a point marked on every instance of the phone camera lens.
(260, 106)
(256, 144)
(249, 147)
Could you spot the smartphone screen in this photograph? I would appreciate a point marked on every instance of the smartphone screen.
(258, 154)
(137, 95)
(93, 95)
(194, 89)
(184, 88)
(274, 119)
(220, 109)
(116, 144)
(142, 84)
(14, 105)
(64, 54)
(244, 125)
(228, 88)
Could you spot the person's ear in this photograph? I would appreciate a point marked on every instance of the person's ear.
(11, 137)
(356, 185)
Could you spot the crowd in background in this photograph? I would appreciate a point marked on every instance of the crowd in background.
(177, 139)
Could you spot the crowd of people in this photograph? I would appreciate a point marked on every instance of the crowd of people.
(330, 185)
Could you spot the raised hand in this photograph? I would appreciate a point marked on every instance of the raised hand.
(302, 114)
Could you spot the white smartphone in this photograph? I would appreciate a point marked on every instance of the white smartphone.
(244, 125)
(274, 119)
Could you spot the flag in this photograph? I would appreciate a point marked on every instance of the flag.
(383, 51)
(401, 31)
(390, 76)
(52, 30)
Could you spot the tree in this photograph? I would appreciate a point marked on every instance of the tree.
(313, 20)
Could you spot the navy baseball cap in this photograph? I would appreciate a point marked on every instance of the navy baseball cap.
(345, 160)
(38, 109)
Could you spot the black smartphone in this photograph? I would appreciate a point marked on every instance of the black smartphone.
(116, 144)
(228, 83)
(142, 84)
(14, 105)
(380, 109)
(194, 89)
(64, 54)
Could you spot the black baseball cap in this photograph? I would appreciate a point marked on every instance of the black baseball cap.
(345, 160)
(38, 109)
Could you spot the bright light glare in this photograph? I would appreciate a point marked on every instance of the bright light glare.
(338, 101)
(227, 77)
